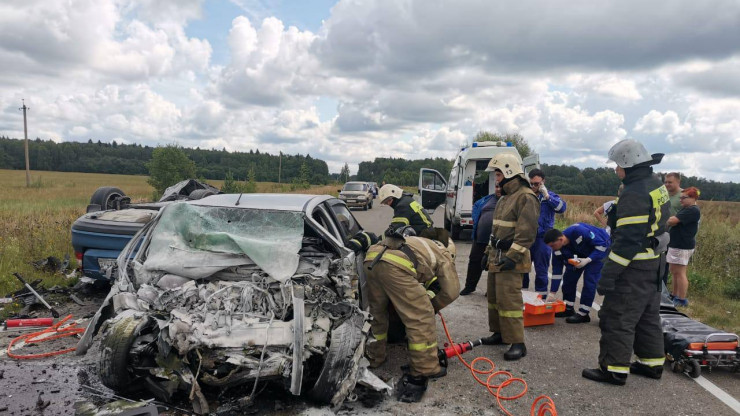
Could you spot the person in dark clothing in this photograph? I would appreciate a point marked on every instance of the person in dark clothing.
(406, 211)
(684, 226)
(482, 225)
(631, 278)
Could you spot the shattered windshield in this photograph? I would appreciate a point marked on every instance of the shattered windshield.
(354, 187)
(196, 241)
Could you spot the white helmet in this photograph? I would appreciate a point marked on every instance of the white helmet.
(389, 191)
(507, 163)
(629, 153)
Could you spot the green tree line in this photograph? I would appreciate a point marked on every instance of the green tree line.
(131, 159)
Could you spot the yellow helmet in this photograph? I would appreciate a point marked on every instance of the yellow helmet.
(507, 163)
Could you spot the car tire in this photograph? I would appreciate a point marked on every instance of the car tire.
(105, 197)
(694, 369)
(371, 204)
(338, 362)
(200, 194)
(364, 207)
(113, 364)
(455, 230)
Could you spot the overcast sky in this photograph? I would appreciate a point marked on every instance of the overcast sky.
(353, 80)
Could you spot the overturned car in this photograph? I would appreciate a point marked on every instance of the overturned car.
(228, 290)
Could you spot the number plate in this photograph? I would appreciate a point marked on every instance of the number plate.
(351, 200)
(106, 263)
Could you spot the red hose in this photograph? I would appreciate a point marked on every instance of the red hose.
(60, 332)
(546, 405)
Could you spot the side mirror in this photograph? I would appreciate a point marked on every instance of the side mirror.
(339, 190)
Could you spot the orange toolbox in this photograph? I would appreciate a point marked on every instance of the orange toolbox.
(542, 314)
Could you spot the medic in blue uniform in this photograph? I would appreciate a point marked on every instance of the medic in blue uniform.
(581, 249)
(550, 204)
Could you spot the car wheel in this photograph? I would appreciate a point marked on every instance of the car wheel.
(200, 194)
(371, 204)
(114, 362)
(454, 230)
(105, 196)
(339, 364)
(364, 207)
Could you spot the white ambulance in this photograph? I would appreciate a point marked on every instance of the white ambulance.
(468, 182)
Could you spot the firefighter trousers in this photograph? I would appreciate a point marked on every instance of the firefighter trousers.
(505, 305)
(390, 284)
(630, 321)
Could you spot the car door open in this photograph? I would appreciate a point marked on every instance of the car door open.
(432, 188)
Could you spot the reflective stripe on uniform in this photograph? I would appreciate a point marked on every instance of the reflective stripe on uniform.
(403, 220)
(492, 306)
(559, 207)
(431, 294)
(557, 277)
(502, 223)
(367, 237)
(422, 346)
(638, 219)
(380, 337)
(649, 254)
(419, 210)
(355, 240)
(511, 314)
(400, 261)
(618, 259)
(618, 369)
(517, 247)
(429, 283)
(659, 196)
(600, 248)
(652, 362)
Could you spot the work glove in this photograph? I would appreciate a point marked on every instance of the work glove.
(484, 262)
(506, 264)
(502, 245)
(583, 262)
(609, 274)
(543, 191)
(551, 297)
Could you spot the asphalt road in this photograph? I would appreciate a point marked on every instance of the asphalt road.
(556, 355)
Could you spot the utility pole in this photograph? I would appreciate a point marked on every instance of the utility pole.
(25, 134)
(280, 166)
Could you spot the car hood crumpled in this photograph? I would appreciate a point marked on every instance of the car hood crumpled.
(190, 241)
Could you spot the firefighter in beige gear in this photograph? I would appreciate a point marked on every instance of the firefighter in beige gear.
(418, 277)
(507, 257)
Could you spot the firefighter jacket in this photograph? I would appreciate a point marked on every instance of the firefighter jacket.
(515, 219)
(429, 261)
(584, 240)
(548, 209)
(641, 215)
(406, 211)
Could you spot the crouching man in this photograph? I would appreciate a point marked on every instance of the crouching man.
(418, 277)
(581, 249)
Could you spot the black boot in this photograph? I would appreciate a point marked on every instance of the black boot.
(604, 376)
(494, 339)
(647, 371)
(411, 389)
(516, 352)
(578, 319)
(466, 291)
(566, 313)
(442, 371)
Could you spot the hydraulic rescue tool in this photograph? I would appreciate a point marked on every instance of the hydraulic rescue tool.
(450, 351)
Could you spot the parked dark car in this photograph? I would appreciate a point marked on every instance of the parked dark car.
(222, 290)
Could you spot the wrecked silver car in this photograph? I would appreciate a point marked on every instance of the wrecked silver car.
(232, 289)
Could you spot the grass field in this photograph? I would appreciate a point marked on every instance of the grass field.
(35, 222)
(714, 271)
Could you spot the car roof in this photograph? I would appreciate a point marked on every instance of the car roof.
(356, 182)
(275, 202)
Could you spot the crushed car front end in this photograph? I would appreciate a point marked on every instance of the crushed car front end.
(222, 295)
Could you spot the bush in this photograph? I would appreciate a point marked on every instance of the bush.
(698, 283)
(168, 166)
(732, 290)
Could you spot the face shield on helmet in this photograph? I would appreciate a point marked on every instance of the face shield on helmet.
(507, 163)
(389, 191)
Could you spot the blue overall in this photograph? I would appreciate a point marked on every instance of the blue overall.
(539, 251)
(584, 240)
